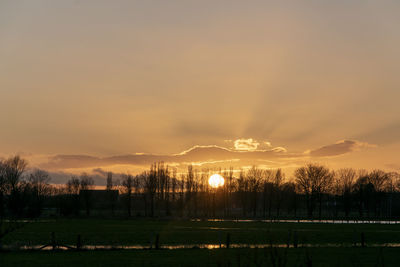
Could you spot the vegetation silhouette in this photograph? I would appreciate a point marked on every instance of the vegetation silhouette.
(314, 192)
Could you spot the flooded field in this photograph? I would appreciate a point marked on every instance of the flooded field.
(333, 221)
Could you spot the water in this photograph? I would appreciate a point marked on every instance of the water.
(303, 221)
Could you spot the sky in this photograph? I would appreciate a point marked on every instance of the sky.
(116, 85)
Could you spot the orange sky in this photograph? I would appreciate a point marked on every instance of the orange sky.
(303, 81)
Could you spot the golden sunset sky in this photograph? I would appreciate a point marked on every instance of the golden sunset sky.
(86, 85)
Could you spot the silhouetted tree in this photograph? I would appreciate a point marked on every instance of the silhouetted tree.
(364, 191)
(86, 184)
(289, 191)
(314, 180)
(109, 185)
(345, 179)
(111, 197)
(268, 188)
(279, 177)
(39, 182)
(3, 188)
(189, 188)
(14, 167)
(380, 180)
(128, 183)
(151, 186)
(243, 191)
(254, 177)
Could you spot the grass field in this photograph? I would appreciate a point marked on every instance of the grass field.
(205, 257)
(133, 232)
(143, 232)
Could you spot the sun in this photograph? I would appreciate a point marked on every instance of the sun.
(216, 180)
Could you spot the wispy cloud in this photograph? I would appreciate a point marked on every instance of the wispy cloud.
(246, 144)
(246, 153)
(339, 148)
(245, 150)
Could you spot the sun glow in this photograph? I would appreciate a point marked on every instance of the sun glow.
(216, 180)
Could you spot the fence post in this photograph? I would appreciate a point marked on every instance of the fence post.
(295, 239)
(53, 240)
(157, 241)
(228, 240)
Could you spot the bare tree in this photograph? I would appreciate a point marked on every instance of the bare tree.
(151, 186)
(73, 185)
(289, 191)
(379, 179)
(345, 180)
(268, 188)
(111, 196)
(314, 180)
(109, 181)
(243, 190)
(11, 171)
(39, 181)
(127, 183)
(3, 188)
(189, 188)
(86, 185)
(364, 191)
(381, 182)
(14, 167)
(279, 177)
(254, 177)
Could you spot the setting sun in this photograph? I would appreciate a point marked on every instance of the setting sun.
(216, 180)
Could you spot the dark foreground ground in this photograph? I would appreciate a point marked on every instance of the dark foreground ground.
(328, 244)
(206, 257)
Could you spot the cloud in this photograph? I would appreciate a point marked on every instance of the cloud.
(100, 171)
(246, 144)
(279, 149)
(195, 154)
(339, 148)
(245, 153)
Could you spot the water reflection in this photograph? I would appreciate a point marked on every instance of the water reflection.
(303, 221)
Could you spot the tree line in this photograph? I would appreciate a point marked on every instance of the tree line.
(313, 191)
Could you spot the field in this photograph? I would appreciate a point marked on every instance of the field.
(320, 243)
(205, 257)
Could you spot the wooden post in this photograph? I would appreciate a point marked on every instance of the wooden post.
(53, 240)
(228, 240)
(157, 241)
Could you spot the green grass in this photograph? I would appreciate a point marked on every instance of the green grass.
(143, 231)
(131, 232)
(203, 257)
